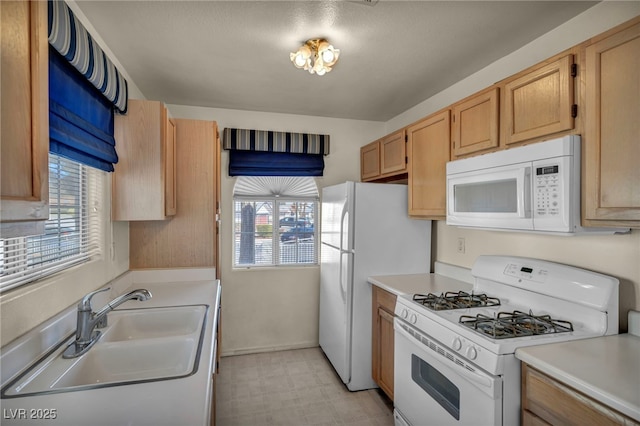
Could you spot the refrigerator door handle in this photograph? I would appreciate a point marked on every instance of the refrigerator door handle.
(342, 279)
(345, 212)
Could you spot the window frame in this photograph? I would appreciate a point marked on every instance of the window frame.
(276, 261)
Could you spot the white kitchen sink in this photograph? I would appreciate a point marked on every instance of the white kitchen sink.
(138, 345)
(153, 322)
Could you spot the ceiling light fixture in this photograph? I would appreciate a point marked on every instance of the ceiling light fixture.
(316, 56)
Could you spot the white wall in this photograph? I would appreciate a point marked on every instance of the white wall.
(616, 255)
(276, 308)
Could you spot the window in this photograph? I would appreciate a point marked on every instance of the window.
(275, 221)
(72, 234)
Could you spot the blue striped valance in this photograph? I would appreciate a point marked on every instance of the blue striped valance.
(269, 141)
(70, 38)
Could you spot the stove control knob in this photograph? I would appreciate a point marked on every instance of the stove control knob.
(471, 352)
(404, 313)
(457, 344)
(413, 319)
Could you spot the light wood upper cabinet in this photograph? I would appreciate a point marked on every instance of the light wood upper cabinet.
(370, 161)
(144, 181)
(24, 137)
(393, 153)
(384, 158)
(189, 239)
(382, 357)
(539, 102)
(428, 147)
(612, 138)
(475, 123)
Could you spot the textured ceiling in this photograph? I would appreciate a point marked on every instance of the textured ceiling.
(235, 54)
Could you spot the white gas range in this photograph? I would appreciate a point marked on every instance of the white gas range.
(454, 352)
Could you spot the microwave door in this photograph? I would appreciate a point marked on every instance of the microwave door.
(497, 197)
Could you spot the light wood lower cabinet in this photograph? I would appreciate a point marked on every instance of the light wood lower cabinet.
(612, 139)
(383, 305)
(428, 151)
(548, 401)
(24, 112)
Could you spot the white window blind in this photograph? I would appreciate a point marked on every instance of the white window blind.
(72, 234)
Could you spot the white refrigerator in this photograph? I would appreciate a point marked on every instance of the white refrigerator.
(365, 231)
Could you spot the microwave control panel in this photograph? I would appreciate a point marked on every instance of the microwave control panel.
(547, 187)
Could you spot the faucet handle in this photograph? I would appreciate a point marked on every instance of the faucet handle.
(85, 302)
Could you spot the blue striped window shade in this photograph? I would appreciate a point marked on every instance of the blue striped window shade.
(84, 90)
(270, 153)
(70, 38)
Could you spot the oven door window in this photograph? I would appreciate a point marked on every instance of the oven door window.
(441, 389)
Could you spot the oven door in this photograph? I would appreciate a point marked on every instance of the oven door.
(498, 197)
(434, 386)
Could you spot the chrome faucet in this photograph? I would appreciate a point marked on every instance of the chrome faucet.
(88, 320)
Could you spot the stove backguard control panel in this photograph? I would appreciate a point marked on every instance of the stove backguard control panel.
(526, 272)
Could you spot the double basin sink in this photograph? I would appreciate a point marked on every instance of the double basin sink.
(137, 346)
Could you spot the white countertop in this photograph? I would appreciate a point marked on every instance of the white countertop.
(418, 283)
(168, 402)
(604, 368)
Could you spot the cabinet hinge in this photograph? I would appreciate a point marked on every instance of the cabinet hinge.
(574, 110)
(406, 138)
(406, 160)
(453, 118)
(574, 70)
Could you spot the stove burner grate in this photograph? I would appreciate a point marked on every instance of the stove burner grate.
(515, 324)
(455, 300)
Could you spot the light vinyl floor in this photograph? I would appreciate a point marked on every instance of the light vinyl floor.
(297, 387)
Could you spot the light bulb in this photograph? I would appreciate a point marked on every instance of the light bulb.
(299, 60)
(328, 56)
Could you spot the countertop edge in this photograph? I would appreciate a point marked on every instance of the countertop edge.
(528, 356)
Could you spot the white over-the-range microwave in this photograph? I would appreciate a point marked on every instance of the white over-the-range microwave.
(533, 188)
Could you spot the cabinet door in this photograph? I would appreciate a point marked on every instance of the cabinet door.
(382, 339)
(611, 145)
(428, 151)
(475, 124)
(393, 153)
(144, 177)
(387, 341)
(558, 404)
(370, 161)
(539, 102)
(24, 134)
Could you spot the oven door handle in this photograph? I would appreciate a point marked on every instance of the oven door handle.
(473, 377)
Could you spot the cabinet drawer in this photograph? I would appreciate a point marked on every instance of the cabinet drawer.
(385, 299)
(557, 403)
